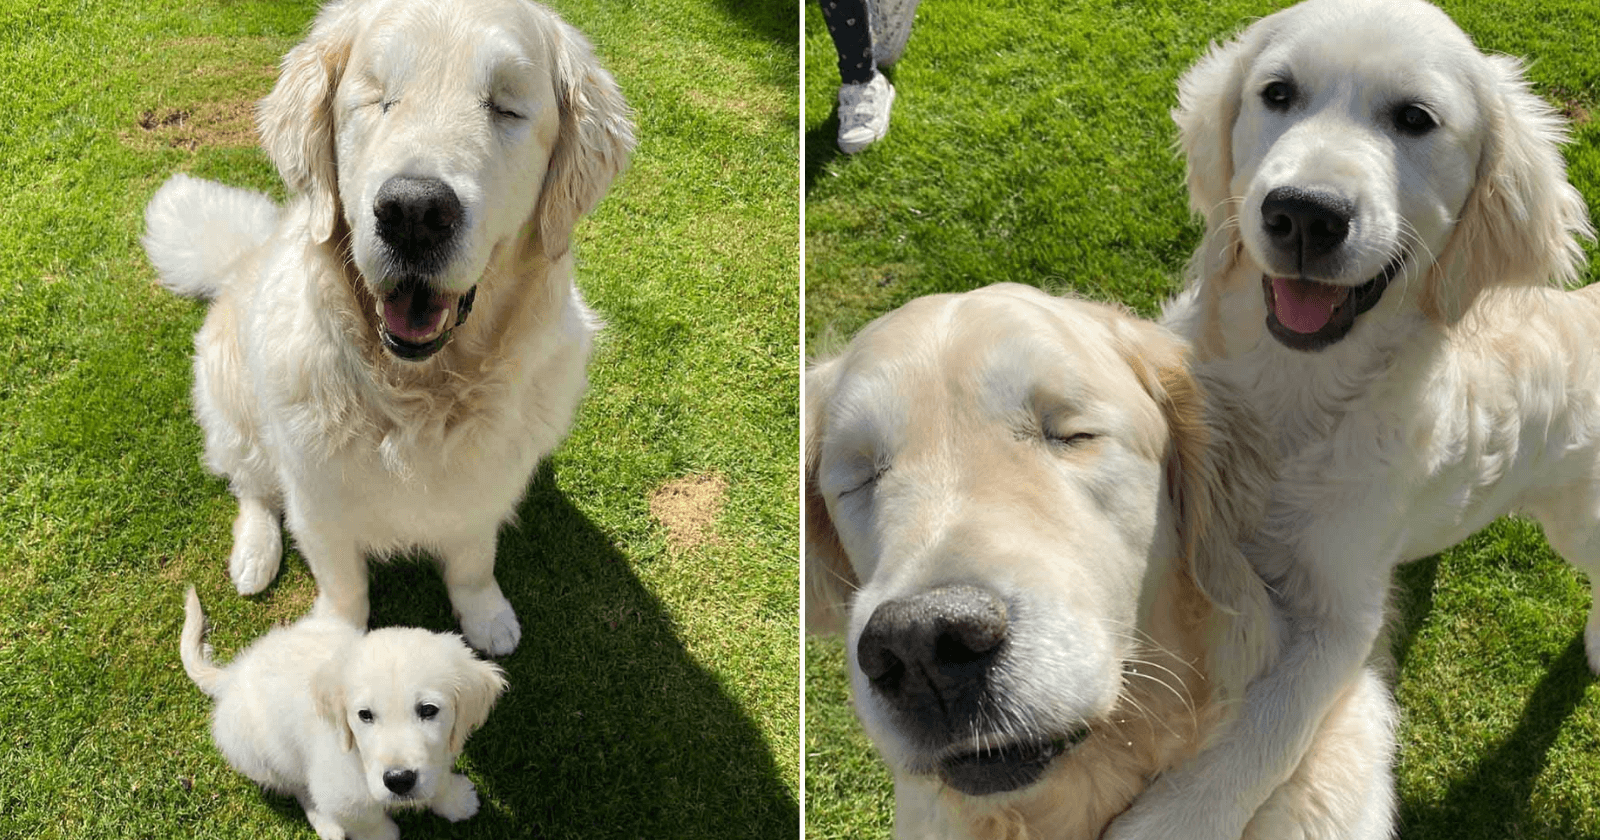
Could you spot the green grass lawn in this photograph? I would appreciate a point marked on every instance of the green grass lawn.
(655, 690)
(1031, 143)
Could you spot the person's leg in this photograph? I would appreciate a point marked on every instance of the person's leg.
(852, 38)
(865, 96)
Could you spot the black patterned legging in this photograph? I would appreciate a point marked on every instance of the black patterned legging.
(852, 38)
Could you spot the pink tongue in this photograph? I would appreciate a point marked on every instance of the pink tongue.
(416, 315)
(1304, 306)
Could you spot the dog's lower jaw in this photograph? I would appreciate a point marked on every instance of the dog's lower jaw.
(1350, 303)
(1006, 768)
(448, 318)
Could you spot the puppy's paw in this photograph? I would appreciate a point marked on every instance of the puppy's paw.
(257, 549)
(456, 800)
(488, 621)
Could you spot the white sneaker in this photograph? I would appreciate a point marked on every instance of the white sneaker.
(864, 113)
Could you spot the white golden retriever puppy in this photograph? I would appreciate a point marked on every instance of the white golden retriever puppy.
(352, 724)
(1386, 211)
(439, 155)
(1024, 513)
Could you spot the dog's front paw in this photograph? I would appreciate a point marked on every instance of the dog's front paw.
(257, 549)
(496, 637)
(456, 800)
(489, 623)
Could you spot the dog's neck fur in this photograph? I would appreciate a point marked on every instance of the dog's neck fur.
(1304, 394)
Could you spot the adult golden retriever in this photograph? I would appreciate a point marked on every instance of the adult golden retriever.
(1386, 212)
(439, 154)
(1023, 512)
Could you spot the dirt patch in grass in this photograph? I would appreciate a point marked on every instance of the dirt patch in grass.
(203, 125)
(687, 507)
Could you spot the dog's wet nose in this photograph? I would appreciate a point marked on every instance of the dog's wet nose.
(416, 216)
(400, 781)
(1310, 223)
(930, 653)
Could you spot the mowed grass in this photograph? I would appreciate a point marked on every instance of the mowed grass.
(1031, 143)
(655, 690)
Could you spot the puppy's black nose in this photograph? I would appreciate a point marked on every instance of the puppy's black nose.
(1310, 223)
(400, 781)
(416, 216)
(929, 654)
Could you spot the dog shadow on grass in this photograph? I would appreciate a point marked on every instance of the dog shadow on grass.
(609, 727)
(1497, 791)
(776, 21)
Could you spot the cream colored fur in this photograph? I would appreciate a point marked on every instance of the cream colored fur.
(321, 711)
(1471, 389)
(304, 410)
(944, 446)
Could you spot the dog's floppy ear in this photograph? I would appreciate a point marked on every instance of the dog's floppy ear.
(327, 697)
(478, 685)
(296, 118)
(1219, 470)
(595, 139)
(829, 580)
(1209, 97)
(1522, 221)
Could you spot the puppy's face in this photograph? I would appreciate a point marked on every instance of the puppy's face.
(994, 470)
(446, 116)
(1355, 149)
(406, 699)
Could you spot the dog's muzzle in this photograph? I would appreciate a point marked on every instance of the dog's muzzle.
(930, 658)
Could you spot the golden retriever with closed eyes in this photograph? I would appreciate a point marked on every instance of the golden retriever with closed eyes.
(439, 154)
(1387, 216)
(1023, 513)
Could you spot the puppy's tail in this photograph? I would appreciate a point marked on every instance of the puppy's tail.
(196, 654)
(194, 231)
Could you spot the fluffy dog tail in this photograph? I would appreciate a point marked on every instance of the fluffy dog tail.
(196, 654)
(195, 230)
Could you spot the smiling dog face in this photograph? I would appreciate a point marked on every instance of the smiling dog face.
(1007, 495)
(405, 700)
(440, 137)
(1347, 149)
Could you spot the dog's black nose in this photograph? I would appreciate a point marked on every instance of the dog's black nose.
(416, 216)
(1309, 223)
(929, 654)
(400, 781)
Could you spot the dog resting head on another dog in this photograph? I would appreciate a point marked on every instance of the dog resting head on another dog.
(352, 724)
(1024, 514)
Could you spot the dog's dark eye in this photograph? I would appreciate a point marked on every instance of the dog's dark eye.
(1413, 120)
(365, 715)
(427, 711)
(1278, 95)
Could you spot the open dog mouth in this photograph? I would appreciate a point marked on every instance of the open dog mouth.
(1006, 768)
(1308, 315)
(415, 321)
